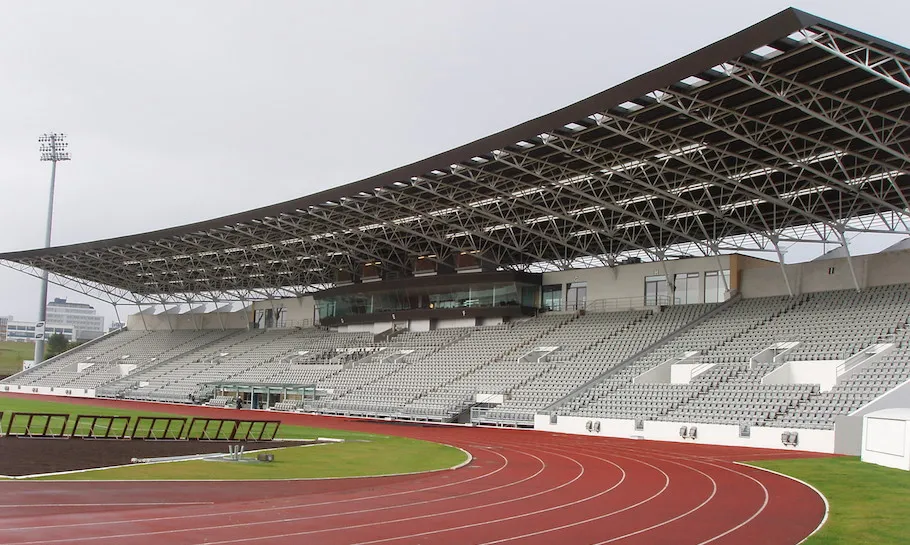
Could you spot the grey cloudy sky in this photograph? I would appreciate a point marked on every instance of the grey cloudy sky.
(181, 111)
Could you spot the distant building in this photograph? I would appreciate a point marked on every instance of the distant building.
(3, 323)
(24, 332)
(82, 317)
(115, 326)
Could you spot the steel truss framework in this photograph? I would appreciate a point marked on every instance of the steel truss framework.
(793, 130)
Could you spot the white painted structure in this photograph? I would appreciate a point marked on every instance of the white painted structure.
(886, 438)
(708, 434)
(849, 429)
(48, 391)
(823, 373)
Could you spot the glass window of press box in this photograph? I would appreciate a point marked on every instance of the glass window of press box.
(716, 283)
(716, 286)
(430, 297)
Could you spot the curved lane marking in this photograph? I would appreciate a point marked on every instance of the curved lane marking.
(610, 514)
(295, 519)
(804, 483)
(266, 509)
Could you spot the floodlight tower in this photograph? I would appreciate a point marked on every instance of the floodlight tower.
(53, 148)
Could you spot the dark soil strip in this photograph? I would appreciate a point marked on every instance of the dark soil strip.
(24, 456)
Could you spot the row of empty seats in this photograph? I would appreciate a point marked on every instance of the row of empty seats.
(584, 364)
(827, 326)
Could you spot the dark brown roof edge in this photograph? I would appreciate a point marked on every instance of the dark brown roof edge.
(773, 28)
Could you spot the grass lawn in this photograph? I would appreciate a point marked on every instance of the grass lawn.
(379, 456)
(870, 504)
(369, 455)
(12, 354)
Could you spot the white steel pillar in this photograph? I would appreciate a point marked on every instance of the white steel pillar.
(53, 148)
(843, 240)
(775, 240)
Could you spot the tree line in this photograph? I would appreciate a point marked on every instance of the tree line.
(58, 344)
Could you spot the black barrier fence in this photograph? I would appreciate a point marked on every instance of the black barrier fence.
(218, 429)
(90, 426)
(158, 427)
(23, 424)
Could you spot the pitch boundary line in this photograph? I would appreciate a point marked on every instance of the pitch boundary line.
(588, 452)
(816, 490)
(436, 514)
(298, 506)
(333, 529)
(195, 457)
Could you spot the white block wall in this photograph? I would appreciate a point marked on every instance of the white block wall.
(709, 434)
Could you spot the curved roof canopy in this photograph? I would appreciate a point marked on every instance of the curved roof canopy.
(795, 127)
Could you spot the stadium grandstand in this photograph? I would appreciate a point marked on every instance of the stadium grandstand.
(617, 267)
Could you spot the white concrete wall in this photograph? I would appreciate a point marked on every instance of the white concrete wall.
(374, 328)
(168, 322)
(300, 310)
(659, 374)
(419, 325)
(710, 434)
(822, 372)
(828, 274)
(897, 452)
(47, 391)
(628, 280)
(683, 373)
(849, 428)
(456, 322)
(492, 320)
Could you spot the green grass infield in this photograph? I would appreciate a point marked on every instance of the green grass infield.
(361, 455)
(869, 504)
(12, 354)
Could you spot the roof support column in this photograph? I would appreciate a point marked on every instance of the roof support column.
(141, 315)
(715, 249)
(843, 239)
(117, 314)
(220, 314)
(775, 240)
(249, 319)
(167, 316)
(671, 282)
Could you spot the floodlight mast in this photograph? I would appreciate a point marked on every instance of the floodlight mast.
(53, 148)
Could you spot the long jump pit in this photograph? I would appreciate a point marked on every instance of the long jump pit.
(38, 444)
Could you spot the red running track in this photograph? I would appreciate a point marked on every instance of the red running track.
(523, 487)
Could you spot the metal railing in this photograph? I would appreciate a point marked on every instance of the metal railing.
(291, 324)
(610, 304)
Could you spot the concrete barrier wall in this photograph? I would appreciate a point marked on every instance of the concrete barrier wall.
(822, 372)
(710, 434)
(850, 428)
(48, 391)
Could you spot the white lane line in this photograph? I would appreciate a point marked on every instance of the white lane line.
(295, 519)
(114, 504)
(654, 456)
(429, 515)
(612, 513)
(804, 483)
(735, 472)
(764, 505)
(29, 478)
(264, 509)
(748, 520)
(334, 529)
(148, 462)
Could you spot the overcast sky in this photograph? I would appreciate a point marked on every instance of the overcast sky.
(181, 111)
